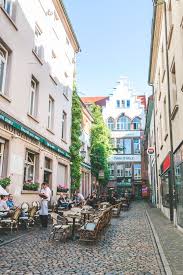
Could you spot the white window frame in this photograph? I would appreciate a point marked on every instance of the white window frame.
(123, 123)
(29, 163)
(64, 126)
(111, 170)
(137, 145)
(50, 112)
(120, 170)
(37, 39)
(2, 143)
(33, 97)
(4, 60)
(110, 123)
(136, 123)
(5, 6)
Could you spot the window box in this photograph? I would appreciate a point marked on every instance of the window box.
(31, 186)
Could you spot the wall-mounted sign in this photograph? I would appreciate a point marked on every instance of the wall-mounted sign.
(166, 164)
(125, 158)
(125, 134)
(101, 174)
(150, 151)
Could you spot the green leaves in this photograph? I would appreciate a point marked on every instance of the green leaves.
(75, 141)
(100, 145)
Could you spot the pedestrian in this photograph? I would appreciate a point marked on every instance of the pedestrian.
(45, 195)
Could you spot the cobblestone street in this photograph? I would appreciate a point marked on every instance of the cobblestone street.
(127, 247)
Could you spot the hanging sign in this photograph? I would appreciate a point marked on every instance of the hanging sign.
(150, 151)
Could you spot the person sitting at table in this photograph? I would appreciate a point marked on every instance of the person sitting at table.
(80, 200)
(92, 200)
(63, 202)
(3, 205)
(10, 203)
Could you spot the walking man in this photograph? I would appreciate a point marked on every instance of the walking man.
(45, 195)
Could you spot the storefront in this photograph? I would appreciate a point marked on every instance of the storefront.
(29, 159)
(124, 187)
(178, 162)
(165, 185)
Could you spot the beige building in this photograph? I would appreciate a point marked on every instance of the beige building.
(166, 68)
(37, 66)
(85, 185)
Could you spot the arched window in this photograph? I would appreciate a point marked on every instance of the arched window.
(123, 123)
(110, 123)
(136, 123)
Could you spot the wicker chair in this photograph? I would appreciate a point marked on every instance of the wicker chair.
(61, 230)
(11, 222)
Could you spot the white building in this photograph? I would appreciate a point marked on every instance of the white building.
(124, 114)
(37, 67)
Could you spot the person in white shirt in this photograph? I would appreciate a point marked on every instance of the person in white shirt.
(45, 195)
(80, 199)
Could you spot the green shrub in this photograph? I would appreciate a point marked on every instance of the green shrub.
(5, 182)
(31, 186)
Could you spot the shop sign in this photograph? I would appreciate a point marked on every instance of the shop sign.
(33, 135)
(125, 158)
(125, 134)
(166, 164)
(124, 184)
(150, 151)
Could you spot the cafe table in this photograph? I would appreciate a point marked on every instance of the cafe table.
(86, 214)
(73, 217)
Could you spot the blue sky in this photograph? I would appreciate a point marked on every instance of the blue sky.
(114, 36)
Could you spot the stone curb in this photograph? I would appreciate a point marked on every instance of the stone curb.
(160, 249)
(10, 241)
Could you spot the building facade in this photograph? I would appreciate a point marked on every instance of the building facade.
(87, 120)
(37, 66)
(124, 115)
(166, 77)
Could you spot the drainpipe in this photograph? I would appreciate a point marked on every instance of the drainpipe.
(171, 178)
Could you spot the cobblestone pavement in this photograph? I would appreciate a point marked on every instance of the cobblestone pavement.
(170, 238)
(126, 248)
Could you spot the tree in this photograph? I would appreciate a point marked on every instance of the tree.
(75, 141)
(100, 145)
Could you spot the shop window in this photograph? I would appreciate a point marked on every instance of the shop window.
(30, 167)
(2, 143)
(120, 170)
(137, 171)
(48, 171)
(136, 146)
(165, 190)
(179, 192)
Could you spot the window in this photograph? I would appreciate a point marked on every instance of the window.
(165, 115)
(120, 170)
(37, 41)
(136, 146)
(7, 5)
(111, 170)
(66, 91)
(136, 123)
(128, 170)
(123, 123)
(50, 113)
(124, 146)
(110, 123)
(3, 67)
(2, 142)
(137, 171)
(128, 104)
(62, 176)
(122, 103)
(64, 124)
(48, 170)
(174, 85)
(29, 167)
(113, 142)
(118, 103)
(33, 97)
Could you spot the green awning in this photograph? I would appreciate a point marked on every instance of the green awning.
(124, 184)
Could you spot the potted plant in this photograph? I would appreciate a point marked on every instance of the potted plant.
(62, 188)
(5, 182)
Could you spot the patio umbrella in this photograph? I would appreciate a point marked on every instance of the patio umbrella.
(3, 191)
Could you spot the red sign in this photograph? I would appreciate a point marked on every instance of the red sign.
(166, 164)
(150, 151)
